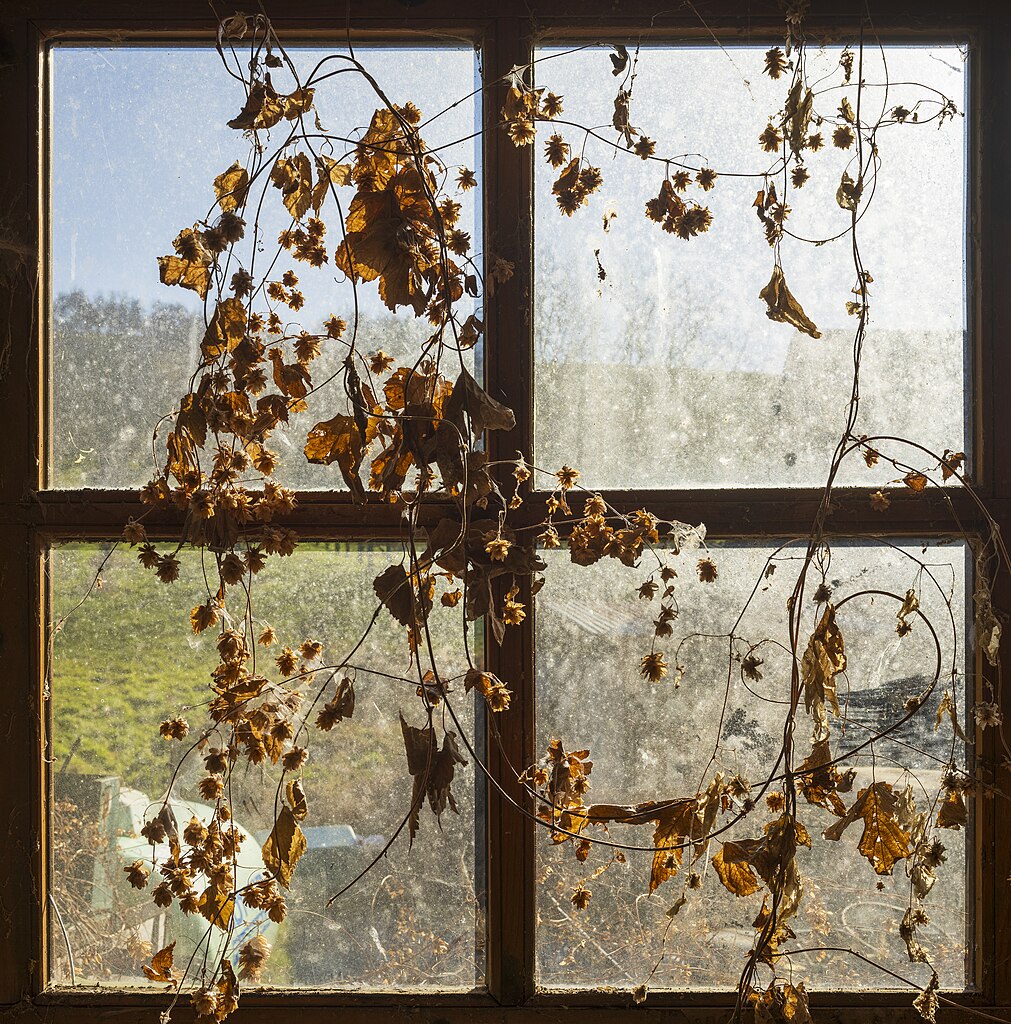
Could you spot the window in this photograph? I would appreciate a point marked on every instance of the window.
(647, 364)
(654, 369)
(108, 665)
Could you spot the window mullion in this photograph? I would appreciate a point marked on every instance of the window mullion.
(507, 188)
(991, 163)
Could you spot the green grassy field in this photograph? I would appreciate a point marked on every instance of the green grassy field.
(126, 658)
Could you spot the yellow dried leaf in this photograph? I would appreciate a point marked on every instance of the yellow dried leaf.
(824, 658)
(380, 227)
(186, 273)
(947, 707)
(568, 179)
(848, 193)
(819, 781)
(161, 965)
(795, 1004)
(297, 799)
(884, 841)
(952, 813)
(951, 463)
(329, 173)
(677, 822)
(227, 986)
(217, 907)
(798, 112)
(338, 440)
(263, 109)
(226, 329)
(284, 847)
(673, 825)
(731, 864)
(231, 187)
(293, 176)
(926, 1002)
(298, 103)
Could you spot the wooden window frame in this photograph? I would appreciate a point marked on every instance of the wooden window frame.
(32, 516)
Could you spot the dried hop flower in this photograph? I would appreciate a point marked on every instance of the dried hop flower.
(653, 666)
(294, 759)
(581, 897)
(707, 570)
(567, 477)
(137, 874)
(287, 662)
(252, 956)
(497, 548)
(987, 715)
(174, 728)
(751, 666)
(168, 569)
(134, 532)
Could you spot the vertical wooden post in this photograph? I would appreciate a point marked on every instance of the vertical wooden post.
(508, 236)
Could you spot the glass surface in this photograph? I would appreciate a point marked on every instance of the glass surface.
(664, 741)
(138, 135)
(656, 365)
(123, 661)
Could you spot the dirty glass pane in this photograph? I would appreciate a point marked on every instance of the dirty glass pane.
(667, 740)
(132, 164)
(656, 365)
(121, 663)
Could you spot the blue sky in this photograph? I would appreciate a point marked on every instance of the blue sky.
(139, 133)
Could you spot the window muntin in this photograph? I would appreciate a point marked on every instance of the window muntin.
(650, 345)
(138, 135)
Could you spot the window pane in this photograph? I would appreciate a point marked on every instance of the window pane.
(654, 741)
(138, 135)
(121, 665)
(656, 365)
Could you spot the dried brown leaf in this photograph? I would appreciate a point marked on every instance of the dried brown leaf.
(783, 307)
(338, 440)
(284, 847)
(231, 187)
(485, 413)
(161, 966)
(884, 841)
(823, 659)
